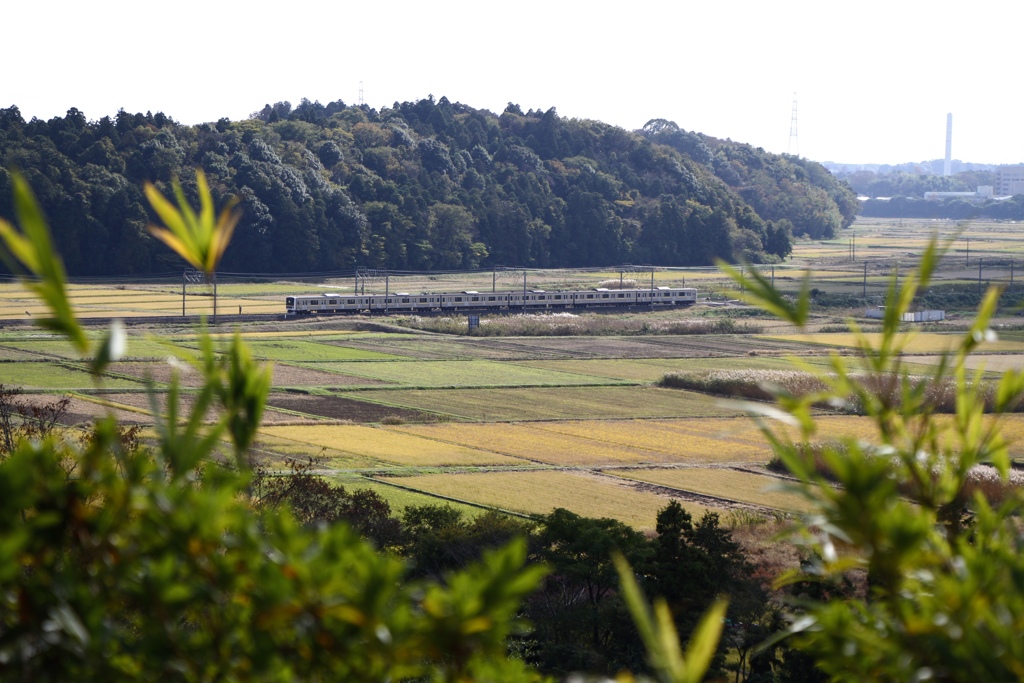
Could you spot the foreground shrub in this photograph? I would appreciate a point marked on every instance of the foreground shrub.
(154, 564)
(945, 597)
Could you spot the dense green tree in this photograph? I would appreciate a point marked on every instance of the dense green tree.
(331, 187)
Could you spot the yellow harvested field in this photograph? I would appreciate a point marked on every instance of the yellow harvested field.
(989, 362)
(388, 446)
(610, 442)
(745, 487)
(711, 440)
(15, 301)
(276, 449)
(541, 492)
(531, 442)
(921, 342)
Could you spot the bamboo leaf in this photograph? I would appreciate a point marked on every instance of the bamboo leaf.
(199, 238)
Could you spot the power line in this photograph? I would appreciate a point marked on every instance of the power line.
(794, 141)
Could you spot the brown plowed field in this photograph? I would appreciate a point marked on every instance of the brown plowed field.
(338, 408)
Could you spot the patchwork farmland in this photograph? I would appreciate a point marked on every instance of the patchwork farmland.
(521, 424)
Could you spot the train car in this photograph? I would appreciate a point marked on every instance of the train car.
(536, 299)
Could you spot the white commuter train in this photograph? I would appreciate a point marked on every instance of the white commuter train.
(511, 301)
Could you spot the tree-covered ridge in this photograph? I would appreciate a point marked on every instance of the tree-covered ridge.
(421, 185)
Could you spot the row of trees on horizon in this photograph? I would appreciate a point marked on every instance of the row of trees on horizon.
(421, 185)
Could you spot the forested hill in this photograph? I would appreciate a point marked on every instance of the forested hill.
(422, 185)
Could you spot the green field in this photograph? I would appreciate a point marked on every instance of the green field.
(60, 376)
(468, 374)
(557, 403)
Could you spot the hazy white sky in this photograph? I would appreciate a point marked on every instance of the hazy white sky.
(874, 79)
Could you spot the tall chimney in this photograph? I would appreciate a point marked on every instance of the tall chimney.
(947, 168)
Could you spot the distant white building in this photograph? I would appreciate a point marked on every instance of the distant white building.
(1009, 180)
(910, 317)
(983, 192)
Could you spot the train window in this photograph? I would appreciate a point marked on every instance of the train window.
(558, 296)
(621, 295)
(475, 298)
(491, 298)
(458, 298)
(405, 301)
(390, 301)
(605, 296)
(590, 296)
(333, 302)
(350, 301)
(541, 298)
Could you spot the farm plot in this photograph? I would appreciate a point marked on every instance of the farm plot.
(719, 482)
(990, 362)
(917, 343)
(285, 375)
(386, 446)
(92, 302)
(467, 374)
(400, 498)
(8, 353)
(541, 492)
(530, 442)
(555, 403)
(453, 348)
(81, 410)
(52, 375)
(273, 451)
(138, 405)
(711, 440)
(299, 350)
(138, 347)
(719, 345)
(651, 370)
(594, 347)
(345, 409)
